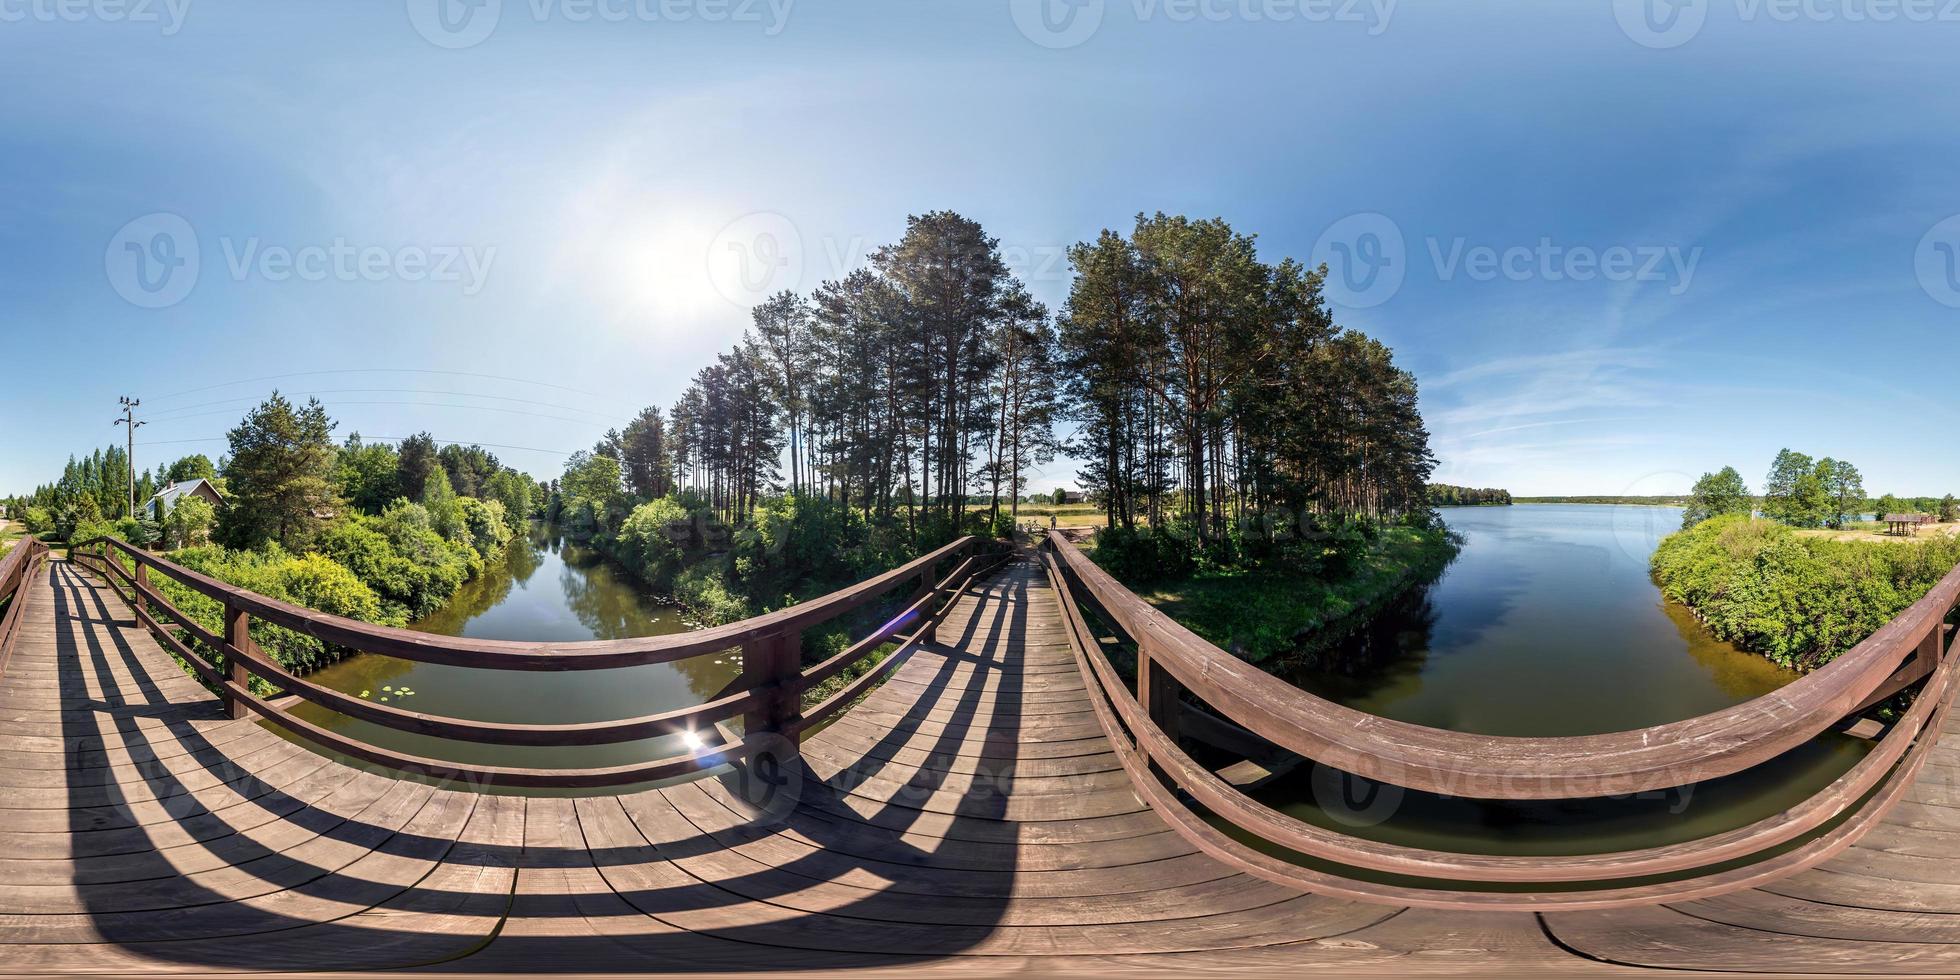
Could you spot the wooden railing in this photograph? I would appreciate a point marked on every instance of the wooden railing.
(17, 571)
(767, 696)
(1176, 671)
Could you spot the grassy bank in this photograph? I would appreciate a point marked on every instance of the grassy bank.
(1799, 600)
(1274, 615)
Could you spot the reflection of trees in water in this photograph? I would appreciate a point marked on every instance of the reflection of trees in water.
(480, 594)
(704, 676)
(526, 554)
(1738, 675)
(1393, 643)
(366, 672)
(610, 603)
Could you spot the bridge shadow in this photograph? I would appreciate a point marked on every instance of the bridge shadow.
(195, 841)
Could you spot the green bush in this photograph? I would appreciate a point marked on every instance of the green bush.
(1800, 601)
(39, 521)
(644, 545)
(311, 580)
(1146, 554)
(401, 557)
(703, 589)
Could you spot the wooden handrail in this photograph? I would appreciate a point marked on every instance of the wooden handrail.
(1436, 760)
(17, 571)
(768, 696)
(1140, 726)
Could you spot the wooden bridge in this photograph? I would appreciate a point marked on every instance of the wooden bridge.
(1019, 793)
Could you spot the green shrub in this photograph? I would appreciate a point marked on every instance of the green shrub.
(703, 589)
(1146, 554)
(401, 557)
(644, 545)
(1800, 601)
(39, 521)
(311, 580)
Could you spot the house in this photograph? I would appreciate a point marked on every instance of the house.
(159, 506)
(1074, 497)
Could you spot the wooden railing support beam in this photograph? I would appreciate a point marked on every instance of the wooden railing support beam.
(238, 636)
(774, 661)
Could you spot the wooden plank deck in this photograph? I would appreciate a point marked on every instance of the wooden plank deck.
(968, 816)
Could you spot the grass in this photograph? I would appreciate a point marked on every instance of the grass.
(1270, 617)
(1066, 515)
(1876, 531)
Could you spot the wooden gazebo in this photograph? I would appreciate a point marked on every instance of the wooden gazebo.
(1906, 524)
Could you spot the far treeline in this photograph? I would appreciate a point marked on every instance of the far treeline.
(1444, 495)
(1805, 493)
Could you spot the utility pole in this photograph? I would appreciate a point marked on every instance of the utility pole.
(129, 419)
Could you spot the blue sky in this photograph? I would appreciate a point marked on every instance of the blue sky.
(1727, 231)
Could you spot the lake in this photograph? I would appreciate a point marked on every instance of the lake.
(546, 588)
(1548, 624)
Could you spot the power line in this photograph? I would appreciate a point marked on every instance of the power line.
(309, 374)
(368, 438)
(246, 400)
(469, 408)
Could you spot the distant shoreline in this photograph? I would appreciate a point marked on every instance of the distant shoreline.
(1607, 501)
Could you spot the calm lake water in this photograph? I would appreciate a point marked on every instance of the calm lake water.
(547, 588)
(1549, 624)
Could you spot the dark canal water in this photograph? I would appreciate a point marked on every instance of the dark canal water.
(1549, 624)
(547, 588)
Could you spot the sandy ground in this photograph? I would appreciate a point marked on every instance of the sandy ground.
(1871, 531)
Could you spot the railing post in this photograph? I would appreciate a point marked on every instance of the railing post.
(238, 636)
(1159, 694)
(140, 584)
(776, 659)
